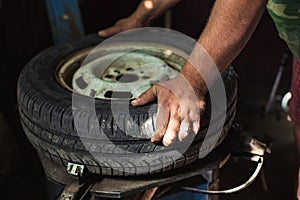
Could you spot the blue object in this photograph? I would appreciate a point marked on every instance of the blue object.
(184, 195)
(65, 20)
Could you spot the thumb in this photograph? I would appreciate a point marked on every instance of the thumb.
(146, 97)
(109, 31)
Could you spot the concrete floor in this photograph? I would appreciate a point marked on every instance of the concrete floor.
(27, 181)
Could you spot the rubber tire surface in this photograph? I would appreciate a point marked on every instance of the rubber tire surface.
(47, 118)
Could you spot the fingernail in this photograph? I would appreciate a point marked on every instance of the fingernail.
(155, 140)
(196, 127)
(101, 33)
(166, 143)
(134, 102)
(168, 139)
(182, 135)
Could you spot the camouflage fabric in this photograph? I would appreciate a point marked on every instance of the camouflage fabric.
(286, 15)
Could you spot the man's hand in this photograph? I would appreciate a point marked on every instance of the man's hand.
(123, 25)
(179, 109)
(146, 12)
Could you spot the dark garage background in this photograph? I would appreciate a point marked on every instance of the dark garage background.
(25, 31)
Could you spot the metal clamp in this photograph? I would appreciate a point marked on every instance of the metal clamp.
(75, 169)
(77, 189)
(253, 150)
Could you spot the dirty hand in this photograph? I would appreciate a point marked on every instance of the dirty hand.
(179, 109)
(123, 25)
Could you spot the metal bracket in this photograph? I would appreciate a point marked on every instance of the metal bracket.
(75, 169)
(70, 192)
(77, 189)
(253, 150)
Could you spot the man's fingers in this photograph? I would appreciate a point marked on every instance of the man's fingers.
(172, 130)
(161, 124)
(184, 130)
(196, 127)
(109, 31)
(157, 137)
(194, 117)
(146, 97)
(178, 118)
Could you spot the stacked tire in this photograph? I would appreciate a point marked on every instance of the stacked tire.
(48, 119)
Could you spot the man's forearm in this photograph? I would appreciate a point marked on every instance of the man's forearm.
(230, 26)
(182, 100)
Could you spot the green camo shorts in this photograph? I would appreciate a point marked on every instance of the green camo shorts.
(286, 15)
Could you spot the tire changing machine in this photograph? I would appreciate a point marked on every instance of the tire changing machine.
(196, 181)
